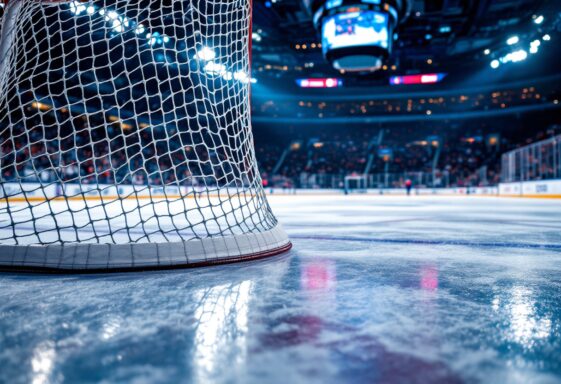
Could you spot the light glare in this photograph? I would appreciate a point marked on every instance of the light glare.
(539, 19)
(206, 54)
(512, 40)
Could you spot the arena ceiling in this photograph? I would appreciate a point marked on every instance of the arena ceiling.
(452, 36)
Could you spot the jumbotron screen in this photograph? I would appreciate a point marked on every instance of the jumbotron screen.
(361, 28)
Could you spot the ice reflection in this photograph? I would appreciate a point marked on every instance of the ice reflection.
(429, 278)
(318, 275)
(110, 328)
(221, 334)
(525, 324)
(42, 362)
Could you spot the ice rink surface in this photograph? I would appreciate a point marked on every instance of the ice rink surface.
(376, 289)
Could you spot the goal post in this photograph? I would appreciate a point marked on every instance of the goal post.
(356, 183)
(125, 136)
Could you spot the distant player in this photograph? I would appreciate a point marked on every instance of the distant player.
(408, 186)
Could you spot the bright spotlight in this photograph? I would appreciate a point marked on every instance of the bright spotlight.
(512, 40)
(539, 19)
(215, 68)
(534, 49)
(241, 76)
(206, 54)
(487, 51)
(495, 64)
(519, 55)
(117, 27)
(90, 10)
(546, 37)
(112, 15)
(77, 8)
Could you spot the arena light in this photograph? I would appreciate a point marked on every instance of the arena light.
(539, 19)
(256, 36)
(518, 55)
(120, 24)
(534, 46)
(512, 40)
(206, 54)
(546, 37)
(77, 8)
(495, 64)
(487, 51)
(117, 26)
(426, 78)
(515, 56)
(214, 68)
(241, 76)
(111, 15)
(328, 82)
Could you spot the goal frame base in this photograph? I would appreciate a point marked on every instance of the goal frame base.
(75, 258)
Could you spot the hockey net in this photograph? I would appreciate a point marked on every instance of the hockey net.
(126, 137)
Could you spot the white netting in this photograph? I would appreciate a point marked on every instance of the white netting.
(126, 123)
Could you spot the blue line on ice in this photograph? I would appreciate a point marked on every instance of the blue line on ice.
(432, 242)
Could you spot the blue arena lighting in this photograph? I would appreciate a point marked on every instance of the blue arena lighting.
(539, 19)
(512, 40)
(206, 54)
(77, 8)
(121, 24)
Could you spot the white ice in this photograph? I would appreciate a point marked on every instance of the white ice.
(376, 289)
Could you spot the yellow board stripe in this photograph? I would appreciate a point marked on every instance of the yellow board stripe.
(111, 198)
(192, 196)
(535, 196)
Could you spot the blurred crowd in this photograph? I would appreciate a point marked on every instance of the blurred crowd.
(54, 146)
(57, 147)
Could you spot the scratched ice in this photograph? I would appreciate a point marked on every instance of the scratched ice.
(377, 289)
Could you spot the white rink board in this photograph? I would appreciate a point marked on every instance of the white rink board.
(531, 188)
(50, 191)
(461, 191)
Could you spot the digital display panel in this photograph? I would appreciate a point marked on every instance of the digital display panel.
(353, 29)
(329, 82)
(427, 78)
